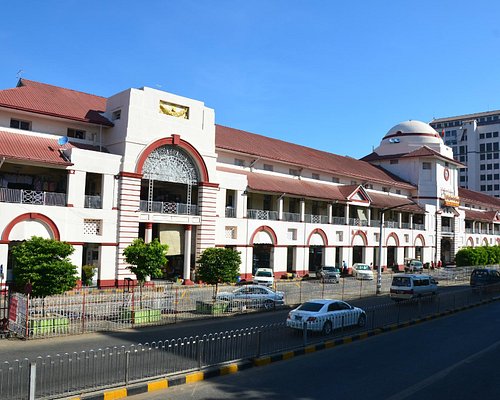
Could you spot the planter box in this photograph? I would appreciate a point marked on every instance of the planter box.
(218, 307)
(39, 326)
(141, 316)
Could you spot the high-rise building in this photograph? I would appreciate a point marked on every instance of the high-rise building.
(475, 141)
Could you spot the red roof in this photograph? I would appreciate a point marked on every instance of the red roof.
(41, 98)
(301, 156)
(472, 197)
(297, 187)
(36, 149)
(477, 215)
(423, 151)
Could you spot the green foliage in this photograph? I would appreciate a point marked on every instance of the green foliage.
(88, 272)
(218, 265)
(146, 259)
(484, 255)
(44, 264)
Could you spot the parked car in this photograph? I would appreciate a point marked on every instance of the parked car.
(253, 296)
(484, 276)
(410, 286)
(362, 271)
(329, 274)
(325, 316)
(412, 266)
(264, 276)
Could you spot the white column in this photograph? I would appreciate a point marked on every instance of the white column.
(346, 213)
(76, 188)
(187, 255)
(148, 234)
(281, 201)
(108, 192)
(302, 210)
(330, 214)
(400, 220)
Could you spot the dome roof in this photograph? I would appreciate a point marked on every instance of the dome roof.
(412, 128)
(408, 136)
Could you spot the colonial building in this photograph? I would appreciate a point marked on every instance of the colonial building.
(99, 172)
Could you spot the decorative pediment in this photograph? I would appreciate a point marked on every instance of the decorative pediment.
(359, 195)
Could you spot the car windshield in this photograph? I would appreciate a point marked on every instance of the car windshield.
(331, 269)
(362, 267)
(480, 273)
(401, 281)
(266, 274)
(310, 306)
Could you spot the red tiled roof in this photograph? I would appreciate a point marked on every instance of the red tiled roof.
(15, 146)
(301, 156)
(384, 200)
(296, 187)
(41, 98)
(473, 197)
(423, 151)
(476, 215)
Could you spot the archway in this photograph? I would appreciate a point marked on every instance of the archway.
(446, 253)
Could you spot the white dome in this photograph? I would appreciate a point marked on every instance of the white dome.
(412, 128)
(409, 136)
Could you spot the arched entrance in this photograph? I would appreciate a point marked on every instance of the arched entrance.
(446, 253)
(359, 243)
(317, 241)
(263, 241)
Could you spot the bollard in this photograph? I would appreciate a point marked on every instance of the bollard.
(127, 365)
(32, 377)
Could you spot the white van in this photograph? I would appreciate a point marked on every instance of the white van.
(410, 286)
(264, 276)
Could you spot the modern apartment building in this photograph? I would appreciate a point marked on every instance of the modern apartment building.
(475, 141)
(99, 172)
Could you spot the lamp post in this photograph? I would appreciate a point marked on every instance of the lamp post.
(379, 261)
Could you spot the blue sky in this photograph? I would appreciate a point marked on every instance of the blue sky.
(333, 75)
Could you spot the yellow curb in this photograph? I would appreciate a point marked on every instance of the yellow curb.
(115, 394)
(288, 355)
(229, 369)
(259, 362)
(195, 377)
(158, 385)
(310, 349)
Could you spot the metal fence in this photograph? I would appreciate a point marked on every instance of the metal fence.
(79, 372)
(92, 310)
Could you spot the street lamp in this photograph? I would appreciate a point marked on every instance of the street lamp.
(379, 261)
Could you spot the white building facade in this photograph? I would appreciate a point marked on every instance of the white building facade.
(99, 172)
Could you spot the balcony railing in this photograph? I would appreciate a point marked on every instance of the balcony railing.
(93, 202)
(358, 222)
(419, 227)
(448, 229)
(405, 225)
(230, 212)
(391, 224)
(262, 214)
(316, 219)
(24, 196)
(291, 217)
(163, 207)
(338, 220)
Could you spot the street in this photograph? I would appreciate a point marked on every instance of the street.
(453, 357)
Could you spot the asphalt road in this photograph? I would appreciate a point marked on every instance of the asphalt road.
(15, 349)
(454, 357)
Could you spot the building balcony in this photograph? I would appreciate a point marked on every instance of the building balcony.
(163, 207)
(338, 220)
(24, 196)
(263, 214)
(358, 222)
(230, 212)
(419, 227)
(447, 229)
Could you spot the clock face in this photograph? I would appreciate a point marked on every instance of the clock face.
(446, 174)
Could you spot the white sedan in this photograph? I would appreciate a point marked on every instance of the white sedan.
(362, 271)
(253, 296)
(325, 316)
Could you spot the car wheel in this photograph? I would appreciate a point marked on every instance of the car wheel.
(327, 328)
(268, 304)
(362, 320)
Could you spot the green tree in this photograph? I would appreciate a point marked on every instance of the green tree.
(218, 265)
(146, 259)
(44, 264)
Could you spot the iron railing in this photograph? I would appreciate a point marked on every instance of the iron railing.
(165, 207)
(24, 196)
(93, 202)
(67, 374)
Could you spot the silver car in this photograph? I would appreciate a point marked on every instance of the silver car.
(329, 274)
(253, 296)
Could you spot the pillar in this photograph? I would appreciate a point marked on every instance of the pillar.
(187, 255)
(148, 234)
